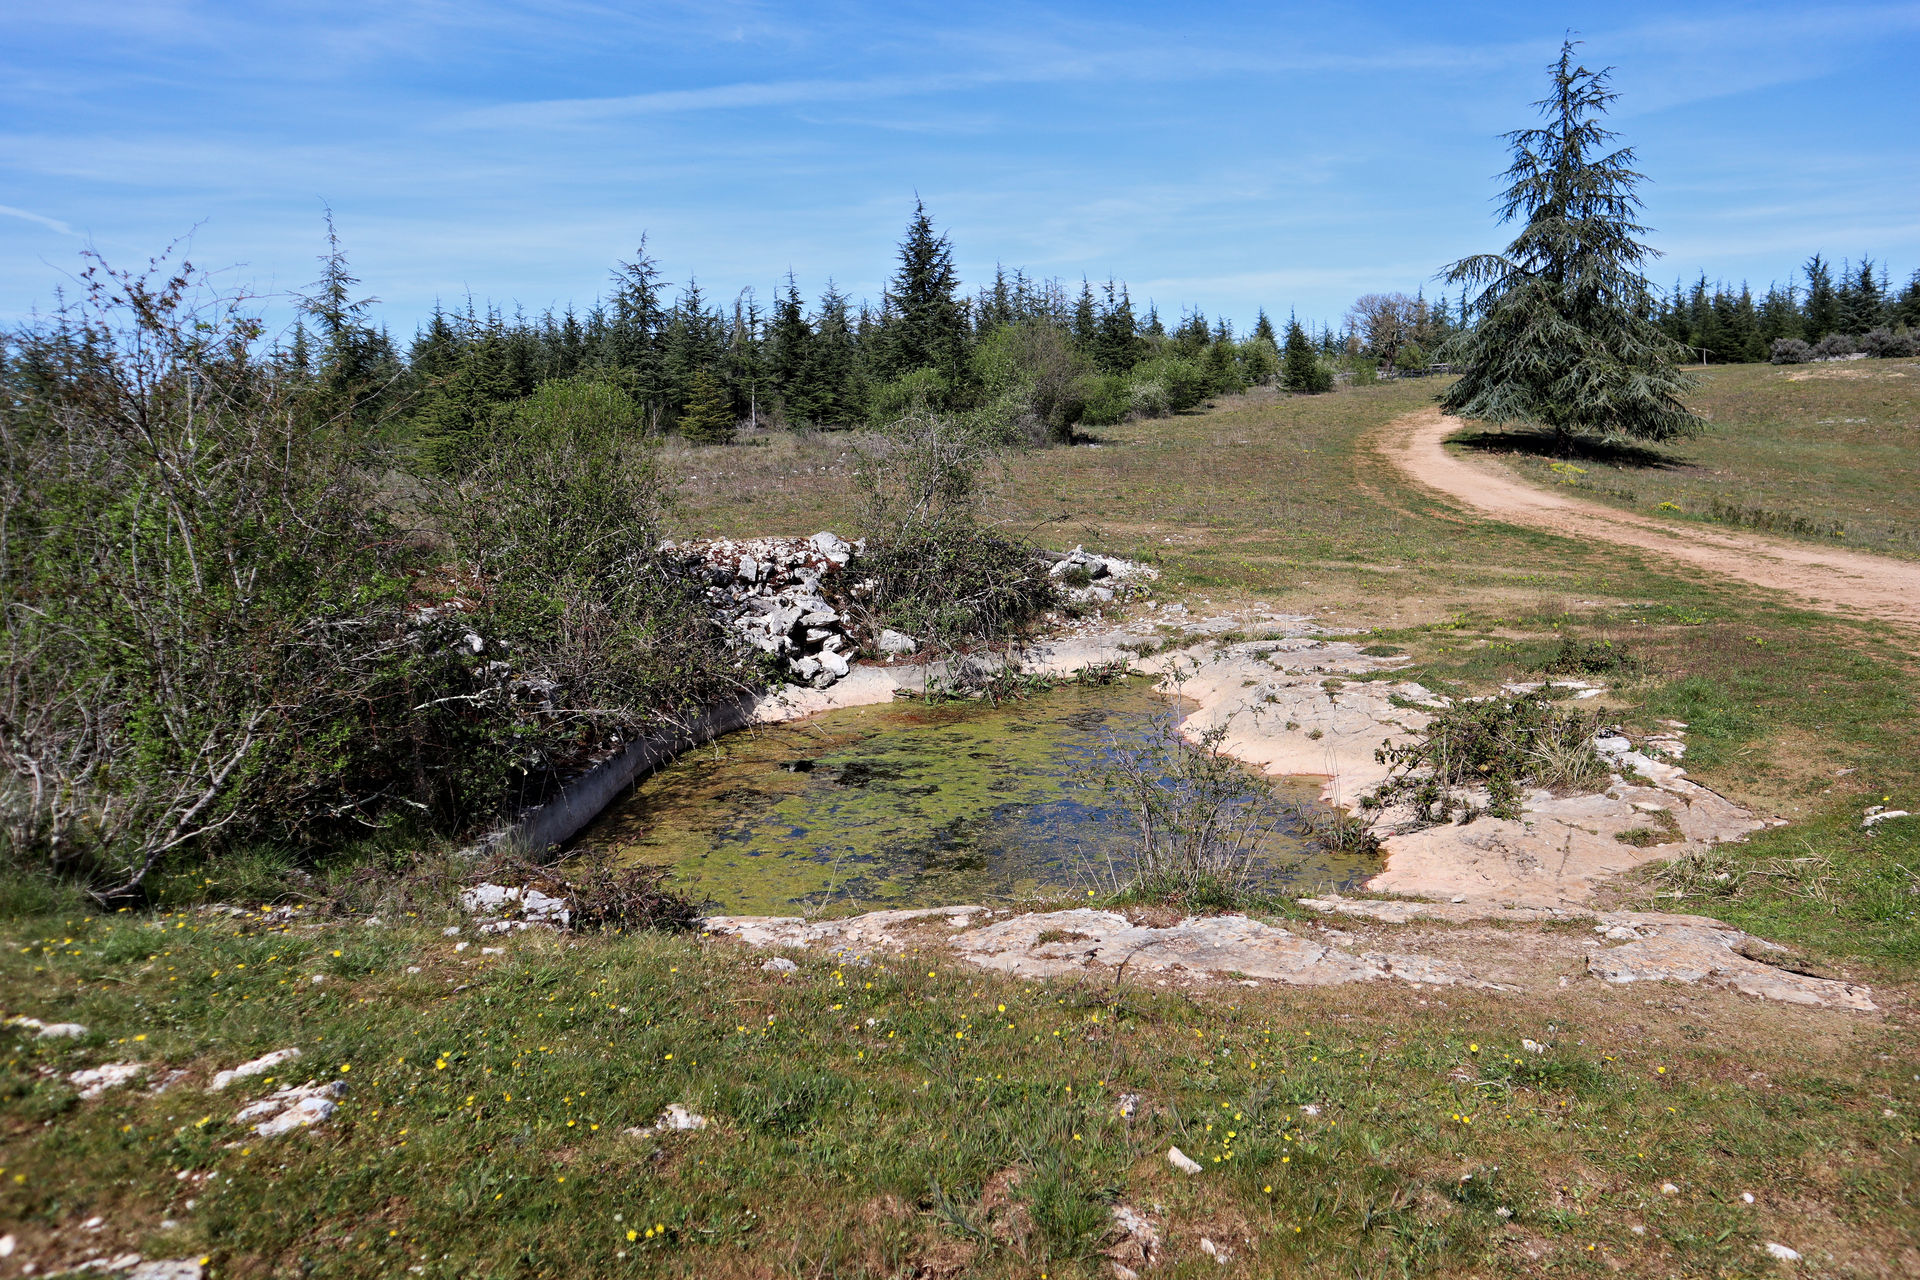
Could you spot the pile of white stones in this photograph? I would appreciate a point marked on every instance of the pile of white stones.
(1109, 578)
(774, 593)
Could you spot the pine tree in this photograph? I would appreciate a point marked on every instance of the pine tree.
(1300, 369)
(707, 416)
(1116, 343)
(1263, 328)
(1906, 308)
(632, 333)
(1860, 299)
(837, 399)
(1086, 320)
(790, 355)
(923, 320)
(1779, 315)
(1822, 315)
(1560, 339)
(352, 373)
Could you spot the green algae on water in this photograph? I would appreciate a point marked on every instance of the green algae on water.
(911, 804)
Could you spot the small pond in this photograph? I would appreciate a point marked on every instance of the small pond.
(912, 804)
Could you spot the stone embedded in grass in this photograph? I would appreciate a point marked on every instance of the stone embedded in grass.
(779, 964)
(1783, 1252)
(48, 1030)
(677, 1119)
(1182, 1161)
(294, 1107)
(1877, 815)
(97, 1080)
(258, 1066)
(168, 1269)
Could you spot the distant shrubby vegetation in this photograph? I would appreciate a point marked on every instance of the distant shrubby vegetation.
(1834, 313)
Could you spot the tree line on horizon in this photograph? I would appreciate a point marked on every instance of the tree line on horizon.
(1028, 360)
(1843, 307)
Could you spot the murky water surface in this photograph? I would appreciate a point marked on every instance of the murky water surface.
(910, 804)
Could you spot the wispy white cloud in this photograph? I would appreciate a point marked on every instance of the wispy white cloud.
(27, 215)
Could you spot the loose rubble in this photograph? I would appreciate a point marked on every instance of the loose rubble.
(782, 596)
(504, 909)
(294, 1107)
(1108, 578)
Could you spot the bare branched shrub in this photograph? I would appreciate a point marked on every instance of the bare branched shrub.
(1202, 819)
(930, 567)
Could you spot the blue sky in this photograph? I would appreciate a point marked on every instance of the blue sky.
(1225, 156)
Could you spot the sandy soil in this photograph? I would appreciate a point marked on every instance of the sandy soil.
(1844, 582)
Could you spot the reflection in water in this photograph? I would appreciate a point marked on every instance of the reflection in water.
(909, 804)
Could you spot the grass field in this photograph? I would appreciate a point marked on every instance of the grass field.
(1829, 453)
(484, 1133)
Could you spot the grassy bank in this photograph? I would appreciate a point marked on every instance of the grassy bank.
(910, 1118)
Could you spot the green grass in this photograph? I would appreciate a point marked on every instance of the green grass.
(1826, 453)
(484, 1131)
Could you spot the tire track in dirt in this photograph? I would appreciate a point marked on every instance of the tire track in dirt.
(1850, 583)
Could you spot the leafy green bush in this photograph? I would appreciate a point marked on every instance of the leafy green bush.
(917, 391)
(1107, 400)
(1183, 382)
(1202, 817)
(1036, 381)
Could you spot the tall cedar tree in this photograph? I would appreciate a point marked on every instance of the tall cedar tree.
(926, 327)
(1560, 339)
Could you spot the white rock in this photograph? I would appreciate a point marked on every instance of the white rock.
(897, 642)
(779, 964)
(7, 1246)
(168, 1269)
(294, 1107)
(1782, 1252)
(259, 1066)
(451, 931)
(1182, 1161)
(1533, 1046)
(677, 1118)
(1877, 815)
(97, 1080)
(458, 946)
(1669, 1189)
(834, 664)
(831, 546)
(48, 1030)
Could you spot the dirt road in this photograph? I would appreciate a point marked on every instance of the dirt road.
(1843, 582)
